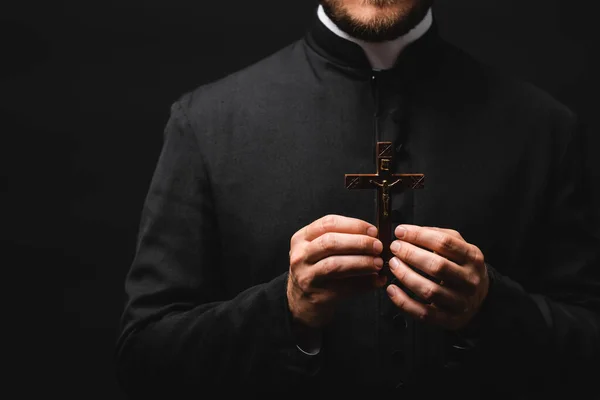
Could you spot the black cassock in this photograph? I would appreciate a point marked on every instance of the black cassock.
(252, 158)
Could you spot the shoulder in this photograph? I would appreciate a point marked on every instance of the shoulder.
(251, 85)
(497, 89)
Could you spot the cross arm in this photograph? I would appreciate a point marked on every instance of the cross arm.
(360, 181)
(409, 181)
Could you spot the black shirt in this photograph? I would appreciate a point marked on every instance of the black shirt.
(251, 158)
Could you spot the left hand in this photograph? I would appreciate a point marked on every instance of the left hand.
(457, 265)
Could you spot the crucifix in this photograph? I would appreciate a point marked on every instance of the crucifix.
(385, 182)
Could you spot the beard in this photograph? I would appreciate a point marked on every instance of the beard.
(385, 25)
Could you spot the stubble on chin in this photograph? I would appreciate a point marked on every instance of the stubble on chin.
(396, 18)
(379, 3)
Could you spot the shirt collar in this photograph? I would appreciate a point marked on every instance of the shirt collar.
(381, 55)
(416, 57)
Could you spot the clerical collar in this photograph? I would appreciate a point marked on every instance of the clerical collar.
(382, 55)
(416, 53)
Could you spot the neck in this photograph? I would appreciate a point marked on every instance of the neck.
(381, 55)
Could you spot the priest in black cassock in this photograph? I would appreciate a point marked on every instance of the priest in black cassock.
(258, 271)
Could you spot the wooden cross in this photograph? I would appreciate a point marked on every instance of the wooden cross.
(385, 181)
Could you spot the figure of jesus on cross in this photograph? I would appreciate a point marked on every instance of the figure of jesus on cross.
(385, 193)
(381, 181)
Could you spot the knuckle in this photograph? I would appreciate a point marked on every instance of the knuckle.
(365, 243)
(295, 259)
(400, 303)
(415, 236)
(293, 240)
(476, 255)
(328, 223)
(470, 283)
(446, 242)
(370, 261)
(328, 242)
(466, 253)
(300, 235)
(424, 315)
(407, 252)
(313, 298)
(430, 293)
(303, 281)
(474, 280)
(436, 265)
(330, 265)
(401, 275)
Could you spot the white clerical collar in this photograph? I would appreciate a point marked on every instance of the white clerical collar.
(382, 55)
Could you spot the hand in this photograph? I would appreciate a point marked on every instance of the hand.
(330, 259)
(457, 265)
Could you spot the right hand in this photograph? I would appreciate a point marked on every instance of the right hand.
(330, 259)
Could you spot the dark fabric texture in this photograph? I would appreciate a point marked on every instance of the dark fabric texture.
(250, 159)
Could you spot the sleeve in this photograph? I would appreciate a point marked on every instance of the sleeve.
(179, 335)
(551, 331)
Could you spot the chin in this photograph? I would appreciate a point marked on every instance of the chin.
(376, 20)
(373, 17)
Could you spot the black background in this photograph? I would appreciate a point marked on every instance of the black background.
(85, 91)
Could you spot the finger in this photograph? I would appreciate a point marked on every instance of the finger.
(448, 245)
(330, 244)
(337, 223)
(431, 264)
(413, 308)
(426, 289)
(450, 232)
(407, 304)
(344, 288)
(345, 266)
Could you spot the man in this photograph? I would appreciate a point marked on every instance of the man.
(258, 271)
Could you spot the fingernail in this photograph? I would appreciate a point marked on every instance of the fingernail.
(377, 246)
(400, 231)
(391, 291)
(395, 246)
(372, 231)
(378, 262)
(394, 263)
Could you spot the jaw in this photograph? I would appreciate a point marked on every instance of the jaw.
(376, 20)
